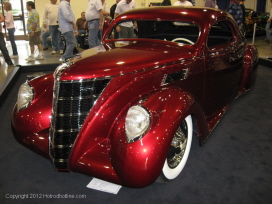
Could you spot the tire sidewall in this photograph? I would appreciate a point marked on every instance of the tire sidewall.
(169, 173)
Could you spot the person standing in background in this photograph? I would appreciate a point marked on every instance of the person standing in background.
(45, 35)
(244, 11)
(210, 3)
(125, 29)
(105, 9)
(94, 19)
(67, 27)
(80, 28)
(183, 3)
(106, 12)
(9, 22)
(3, 47)
(112, 9)
(34, 31)
(236, 11)
(166, 3)
(50, 17)
(268, 27)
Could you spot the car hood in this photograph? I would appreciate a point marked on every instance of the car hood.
(125, 57)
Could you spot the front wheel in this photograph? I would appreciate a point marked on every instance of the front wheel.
(178, 152)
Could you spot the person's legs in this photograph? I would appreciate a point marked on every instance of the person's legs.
(59, 40)
(37, 41)
(45, 35)
(4, 50)
(79, 37)
(124, 32)
(130, 32)
(12, 41)
(54, 34)
(70, 44)
(93, 33)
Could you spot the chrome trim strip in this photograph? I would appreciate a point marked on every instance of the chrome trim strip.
(67, 130)
(57, 74)
(72, 114)
(87, 80)
(77, 98)
(62, 146)
(60, 160)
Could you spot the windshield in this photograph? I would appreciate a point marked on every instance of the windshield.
(175, 31)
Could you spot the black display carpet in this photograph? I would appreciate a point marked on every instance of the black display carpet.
(234, 165)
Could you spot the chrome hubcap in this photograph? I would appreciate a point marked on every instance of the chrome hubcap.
(178, 146)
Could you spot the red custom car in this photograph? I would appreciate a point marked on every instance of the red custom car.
(126, 111)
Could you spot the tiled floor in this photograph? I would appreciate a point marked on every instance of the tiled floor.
(24, 52)
(264, 48)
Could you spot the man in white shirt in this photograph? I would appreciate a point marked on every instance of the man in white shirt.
(125, 29)
(94, 20)
(50, 20)
(183, 3)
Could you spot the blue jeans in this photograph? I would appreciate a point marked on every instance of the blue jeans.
(57, 43)
(12, 40)
(45, 35)
(268, 33)
(93, 33)
(70, 40)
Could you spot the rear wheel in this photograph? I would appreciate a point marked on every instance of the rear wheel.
(178, 152)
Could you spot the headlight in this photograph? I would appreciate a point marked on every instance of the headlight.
(137, 123)
(25, 96)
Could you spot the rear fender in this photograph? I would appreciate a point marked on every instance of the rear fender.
(139, 163)
(250, 67)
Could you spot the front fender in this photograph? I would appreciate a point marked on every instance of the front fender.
(138, 164)
(30, 126)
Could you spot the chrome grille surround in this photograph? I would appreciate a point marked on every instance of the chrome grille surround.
(72, 102)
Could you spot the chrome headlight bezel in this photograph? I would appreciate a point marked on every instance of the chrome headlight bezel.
(25, 96)
(137, 123)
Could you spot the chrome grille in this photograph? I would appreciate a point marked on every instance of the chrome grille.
(72, 103)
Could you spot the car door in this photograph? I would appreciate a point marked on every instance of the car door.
(224, 57)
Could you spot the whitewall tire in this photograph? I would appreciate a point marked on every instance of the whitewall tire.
(178, 151)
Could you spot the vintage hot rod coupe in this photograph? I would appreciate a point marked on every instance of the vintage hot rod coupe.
(126, 111)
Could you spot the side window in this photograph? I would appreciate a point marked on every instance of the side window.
(220, 33)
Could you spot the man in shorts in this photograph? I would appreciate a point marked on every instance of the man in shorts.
(34, 31)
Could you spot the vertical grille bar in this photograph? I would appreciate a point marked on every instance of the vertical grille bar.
(72, 102)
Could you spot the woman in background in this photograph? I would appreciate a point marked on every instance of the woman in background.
(9, 21)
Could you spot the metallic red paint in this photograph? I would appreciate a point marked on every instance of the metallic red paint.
(213, 78)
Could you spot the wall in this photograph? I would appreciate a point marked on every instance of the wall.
(251, 4)
(77, 6)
